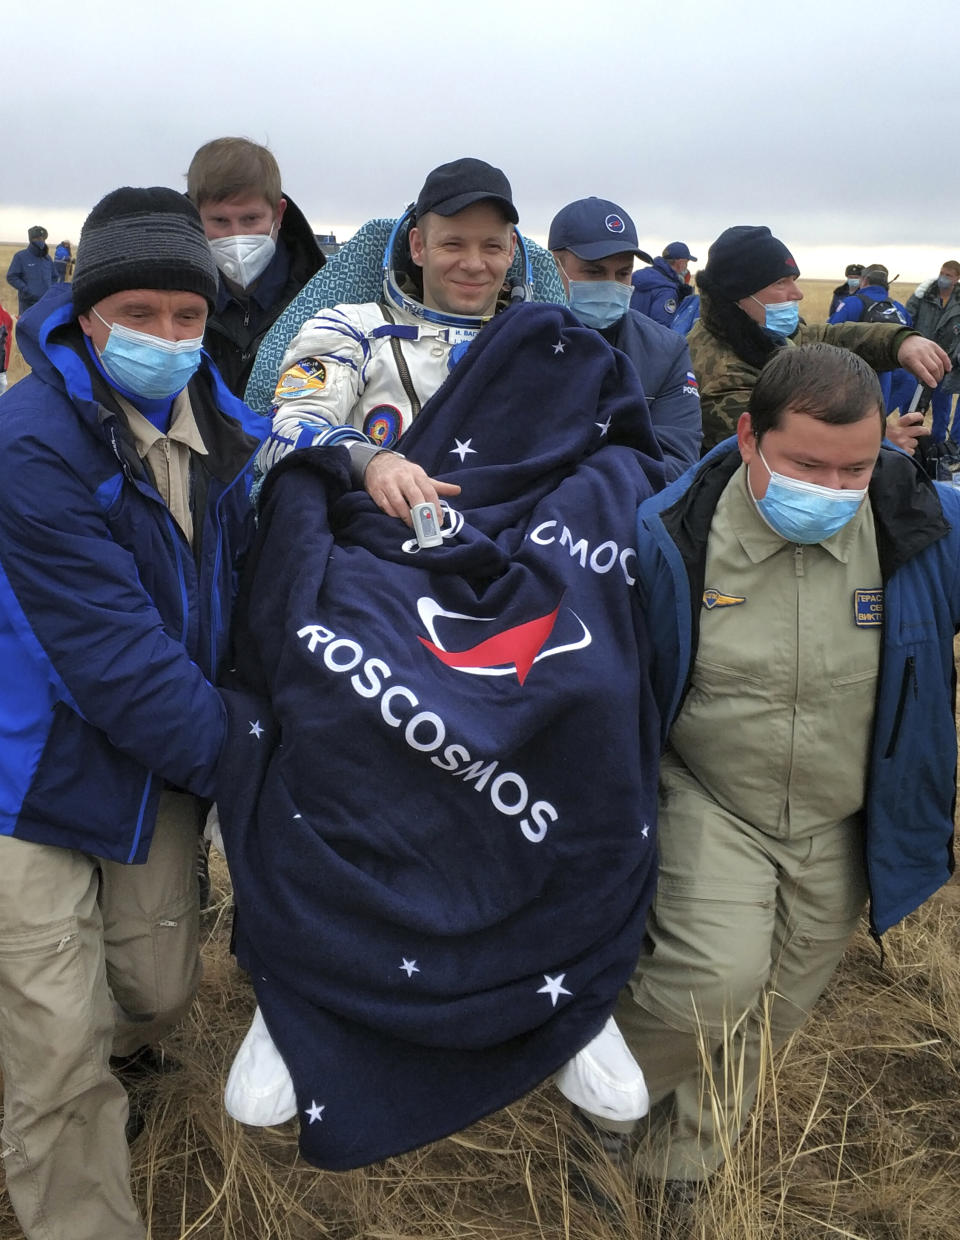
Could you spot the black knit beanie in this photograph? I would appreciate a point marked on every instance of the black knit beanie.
(744, 259)
(142, 238)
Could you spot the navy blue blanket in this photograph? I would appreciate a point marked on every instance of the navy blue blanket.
(440, 832)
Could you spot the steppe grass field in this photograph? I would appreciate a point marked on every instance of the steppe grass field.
(855, 1135)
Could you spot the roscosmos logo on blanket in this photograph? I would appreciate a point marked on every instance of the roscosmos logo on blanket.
(511, 651)
(427, 732)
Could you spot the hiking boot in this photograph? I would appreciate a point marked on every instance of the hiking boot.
(598, 1161)
(669, 1206)
(139, 1074)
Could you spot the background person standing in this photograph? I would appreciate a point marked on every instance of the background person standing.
(935, 307)
(658, 290)
(871, 302)
(262, 244)
(31, 271)
(851, 283)
(594, 243)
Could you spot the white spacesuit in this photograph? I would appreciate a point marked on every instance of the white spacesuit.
(358, 375)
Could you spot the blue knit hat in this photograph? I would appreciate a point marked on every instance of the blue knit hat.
(744, 259)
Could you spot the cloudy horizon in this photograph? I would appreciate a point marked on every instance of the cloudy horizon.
(831, 127)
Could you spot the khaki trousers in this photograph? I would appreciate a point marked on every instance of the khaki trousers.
(96, 958)
(744, 934)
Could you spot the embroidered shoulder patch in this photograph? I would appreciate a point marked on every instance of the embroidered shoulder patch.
(384, 425)
(868, 608)
(308, 375)
(716, 598)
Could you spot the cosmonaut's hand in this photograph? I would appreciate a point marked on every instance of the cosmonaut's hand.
(396, 484)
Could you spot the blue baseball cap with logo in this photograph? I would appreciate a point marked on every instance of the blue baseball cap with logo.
(679, 249)
(594, 228)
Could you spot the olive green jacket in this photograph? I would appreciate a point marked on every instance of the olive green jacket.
(726, 381)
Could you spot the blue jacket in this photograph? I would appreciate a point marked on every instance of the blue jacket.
(658, 291)
(850, 310)
(687, 315)
(911, 782)
(31, 273)
(111, 626)
(662, 360)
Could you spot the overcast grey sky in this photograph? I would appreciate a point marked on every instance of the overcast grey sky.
(832, 121)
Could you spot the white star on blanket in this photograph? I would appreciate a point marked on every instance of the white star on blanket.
(554, 987)
(463, 449)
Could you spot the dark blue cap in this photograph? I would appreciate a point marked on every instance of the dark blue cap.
(678, 249)
(455, 186)
(594, 228)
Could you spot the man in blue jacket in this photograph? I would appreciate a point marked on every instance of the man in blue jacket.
(659, 290)
(594, 242)
(31, 271)
(124, 473)
(802, 590)
(871, 303)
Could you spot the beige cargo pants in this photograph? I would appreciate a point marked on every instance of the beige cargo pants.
(744, 934)
(96, 958)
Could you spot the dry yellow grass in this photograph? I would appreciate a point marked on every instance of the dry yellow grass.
(855, 1135)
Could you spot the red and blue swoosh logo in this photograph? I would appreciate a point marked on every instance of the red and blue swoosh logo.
(509, 652)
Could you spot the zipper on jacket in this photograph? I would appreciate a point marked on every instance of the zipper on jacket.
(176, 534)
(216, 614)
(403, 370)
(908, 680)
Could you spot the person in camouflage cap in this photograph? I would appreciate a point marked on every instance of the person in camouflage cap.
(749, 310)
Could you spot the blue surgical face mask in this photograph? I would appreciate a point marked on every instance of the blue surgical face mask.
(944, 282)
(148, 365)
(802, 512)
(599, 303)
(782, 317)
(853, 283)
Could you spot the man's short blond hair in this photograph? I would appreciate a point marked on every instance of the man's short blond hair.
(228, 167)
(952, 265)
